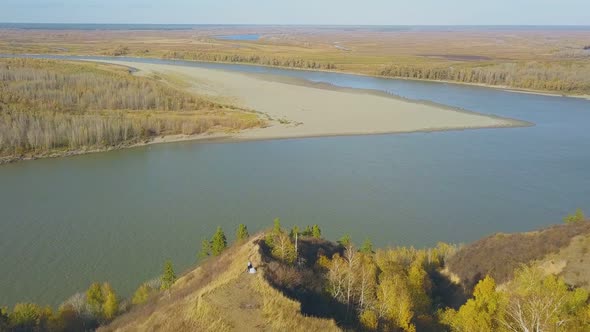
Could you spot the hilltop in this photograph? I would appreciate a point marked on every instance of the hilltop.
(219, 295)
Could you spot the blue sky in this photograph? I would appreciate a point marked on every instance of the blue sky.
(393, 12)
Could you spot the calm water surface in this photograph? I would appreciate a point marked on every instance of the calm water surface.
(250, 37)
(117, 216)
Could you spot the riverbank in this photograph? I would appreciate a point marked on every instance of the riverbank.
(156, 140)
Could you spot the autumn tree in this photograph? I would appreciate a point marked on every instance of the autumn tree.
(539, 302)
(168, 276)
(218, 242)
(395, 303)
(283, 248)
(142, 294)
(481, 313)
(111, 303)
(95, 298)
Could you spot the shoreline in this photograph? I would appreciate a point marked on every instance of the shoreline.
(481, 85)
(227, 138)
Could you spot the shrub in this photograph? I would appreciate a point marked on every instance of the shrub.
(578, 216)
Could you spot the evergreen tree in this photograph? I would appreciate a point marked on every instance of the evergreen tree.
(205, 250)
(277, 226)
(316, 231)
(242, 232)
(307, 231)
(168, 277)
(367, 247)
(345, 240)
(218, 242)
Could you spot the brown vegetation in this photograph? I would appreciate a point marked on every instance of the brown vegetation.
(252, 59)
(548, 60)
(571, 78)
(48, 106)
(500, 254)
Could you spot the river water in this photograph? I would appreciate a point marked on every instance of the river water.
(117, 216)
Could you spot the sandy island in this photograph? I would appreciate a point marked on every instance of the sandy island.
(302, 109)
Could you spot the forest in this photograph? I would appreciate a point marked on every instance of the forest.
(48, 106)
(361, 287)
(252, 59)
(572, 78)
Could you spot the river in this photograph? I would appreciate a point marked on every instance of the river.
(117, 216)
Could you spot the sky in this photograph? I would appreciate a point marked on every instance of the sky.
(332, 12)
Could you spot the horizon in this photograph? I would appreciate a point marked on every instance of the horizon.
(306, 24)
(304, 12)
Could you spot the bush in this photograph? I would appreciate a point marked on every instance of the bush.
(578, 216)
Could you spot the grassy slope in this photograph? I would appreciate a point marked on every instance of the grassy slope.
(220, 296)
(561, 249)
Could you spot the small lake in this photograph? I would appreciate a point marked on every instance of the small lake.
(118, 216)
(249, 37)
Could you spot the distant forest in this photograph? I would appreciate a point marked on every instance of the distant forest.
(558, 77)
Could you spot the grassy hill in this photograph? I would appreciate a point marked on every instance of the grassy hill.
(220, 296)
(561, 249)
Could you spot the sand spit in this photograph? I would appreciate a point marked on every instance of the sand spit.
(302, 109)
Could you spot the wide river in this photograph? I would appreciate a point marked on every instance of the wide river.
(117, 216)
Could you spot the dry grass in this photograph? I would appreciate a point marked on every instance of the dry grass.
(571, 262)
(500, 254)
(220, 296)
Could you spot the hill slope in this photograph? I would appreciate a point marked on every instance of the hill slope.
(558, 249)
(219, 295)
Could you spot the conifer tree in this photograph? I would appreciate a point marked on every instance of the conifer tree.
(277, 226)
(345, 240)
(367, 247)
(316, 231)
(242, 232)
(205, 249)
(168, 277)
(218, 242)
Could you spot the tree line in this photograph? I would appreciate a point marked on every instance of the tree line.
(398, 289)
(556, 76)
(253, 59)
